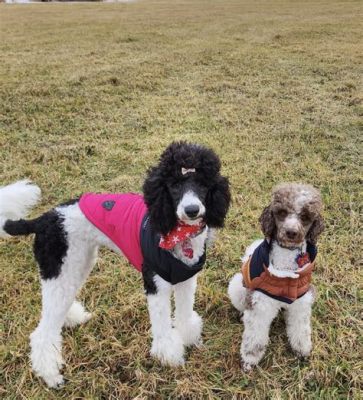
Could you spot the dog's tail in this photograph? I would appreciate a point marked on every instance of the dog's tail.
(16, 200)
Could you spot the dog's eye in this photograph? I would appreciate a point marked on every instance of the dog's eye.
(305, 217)
(281, 213)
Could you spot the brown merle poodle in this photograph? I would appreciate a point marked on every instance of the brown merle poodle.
(276, 271)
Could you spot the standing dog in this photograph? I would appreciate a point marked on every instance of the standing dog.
(276, 272)
(163, 234)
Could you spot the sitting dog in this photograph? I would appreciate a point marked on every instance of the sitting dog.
(276, 272)
(162, 233)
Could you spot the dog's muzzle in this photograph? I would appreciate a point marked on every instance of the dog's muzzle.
(190, 207)
(192, 211)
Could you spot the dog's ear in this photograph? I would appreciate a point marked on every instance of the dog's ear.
(267, 222)
(159, 202)
(217, 203)
(316, 229)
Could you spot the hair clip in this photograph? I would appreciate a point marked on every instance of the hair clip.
(187, 170)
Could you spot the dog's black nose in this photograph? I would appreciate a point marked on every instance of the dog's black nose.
(291, 234)
(192, 211)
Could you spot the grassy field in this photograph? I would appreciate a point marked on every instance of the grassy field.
(90, 95)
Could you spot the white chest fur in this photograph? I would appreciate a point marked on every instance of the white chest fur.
(283, 261)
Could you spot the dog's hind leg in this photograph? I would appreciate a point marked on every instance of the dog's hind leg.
(58, 294)
(237, 293)
(188, 323)
(77, 314)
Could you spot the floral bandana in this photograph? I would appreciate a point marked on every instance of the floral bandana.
(303, 259)
(181, 233)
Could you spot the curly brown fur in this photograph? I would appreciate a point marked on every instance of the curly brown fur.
(293, 215)
(267, 222)
(316, 229)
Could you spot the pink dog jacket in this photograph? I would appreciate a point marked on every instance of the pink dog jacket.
(125, 220)
(119, 216)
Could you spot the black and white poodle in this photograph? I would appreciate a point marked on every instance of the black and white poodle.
(276, 272)
(163, 234)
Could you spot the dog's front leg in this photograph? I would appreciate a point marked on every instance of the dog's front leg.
(298, 324)
(167, 345)
(187, 321)
(257, 319)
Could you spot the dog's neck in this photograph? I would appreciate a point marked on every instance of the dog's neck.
(284, 260)
(197, 244)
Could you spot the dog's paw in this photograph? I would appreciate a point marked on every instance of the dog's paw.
(76, 315)
(54, 381)
(301, 347)
(46, 357)
(191, 330)
(302, 354)
(247, 367)
(48, 371)
(169, 349)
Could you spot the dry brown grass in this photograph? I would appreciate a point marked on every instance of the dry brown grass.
(90, 95)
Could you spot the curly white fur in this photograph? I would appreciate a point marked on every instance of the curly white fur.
(237, 293)
(188, 323)
(76, 315)
(170, 337)
(167, 343)
(16, 200)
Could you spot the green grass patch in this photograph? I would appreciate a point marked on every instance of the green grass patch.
(91, 94)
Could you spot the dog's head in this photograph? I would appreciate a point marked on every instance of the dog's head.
(293, 215)
(186, 185)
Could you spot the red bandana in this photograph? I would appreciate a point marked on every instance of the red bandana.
(181, 233)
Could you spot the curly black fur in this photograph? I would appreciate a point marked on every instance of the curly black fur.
(165, 184)
(217, 202)
(50, 244)
(148, 278)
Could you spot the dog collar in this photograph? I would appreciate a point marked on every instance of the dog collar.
(288, 248)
